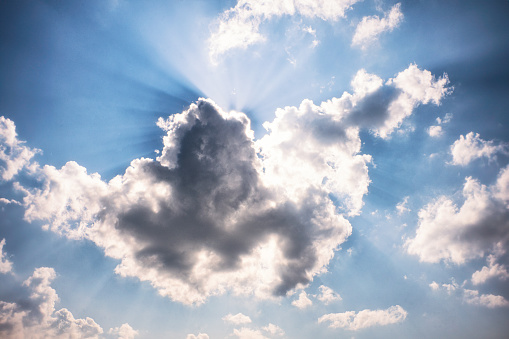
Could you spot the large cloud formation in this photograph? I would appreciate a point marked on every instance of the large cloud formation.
(219, 211)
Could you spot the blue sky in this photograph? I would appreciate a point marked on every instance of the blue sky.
(254, 169)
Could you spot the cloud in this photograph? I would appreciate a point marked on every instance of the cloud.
(493, 270)
(303, 301)
(366, 318)
(273, 329)
(247, 333)
(472, 297)
(488, 300)
(5, 264)
(199, 336)
(237, 319)
(238, 27)
(14, 156)
(458, 234)
(370, 28)
(402, 206)
(218, 211)
(436, 130)
(327, 295)
(125, 331)
(470, 147)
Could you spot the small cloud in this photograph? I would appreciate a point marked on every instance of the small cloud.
(303, 301)
(493, 270)
(327, 295)
(5, 264)
(367, 318)
(237, 319)
(273, 329)
(370, 28)
(487, 300)
(199, 336)
(434, 286)
(127, 332)
(435, 131)
(247, 333)
(402, 206)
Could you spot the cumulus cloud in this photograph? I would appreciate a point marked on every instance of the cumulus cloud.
(458, 234)
(238, 27)
(327, 295)
(436, 130)
(36, 316)
(493, 270)
(366, 318)
(470, 147)
(218, 211)
(125, 331)
(247, 333)
(370, 28)
(5, 264)
(303, 301)
(199, 336)
(237, 319)
(487, 300)
(273, 329)
(472, 297)
(14, 156)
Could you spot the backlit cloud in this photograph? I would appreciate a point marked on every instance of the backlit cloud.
(5, 264)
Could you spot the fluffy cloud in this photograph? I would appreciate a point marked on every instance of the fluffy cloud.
(458, 234)
(370, 28)
(366, 318)
(5, 264)
(199, 336)
(125, 331)
(273, 329)
(218, 211)
(237, 319)
(493, 270)
(303, 301)
(14, 156)
(327, 295)
(472, 297)
(436, 130)
(37, 317)
(238, 27)
(488, 300)
(470, 147)
(247, 333)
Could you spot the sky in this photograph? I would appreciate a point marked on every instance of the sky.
(254, 169)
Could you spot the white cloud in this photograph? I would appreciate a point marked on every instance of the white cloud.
(14, 156)
(402, 206)
(303, 301)
(472, 297)
(367, 318)
(493, 270)
(189, 221)
(237, 319)
(273, 329)
(247, 333)
(434, 286)
(327, 295)
(458, 234)
(370, 28)
(199, 336)
(37, 317)
(487, 300)
(125, 331)
(470, 147)
(5, 264)
(238, 27)
(435, 131)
